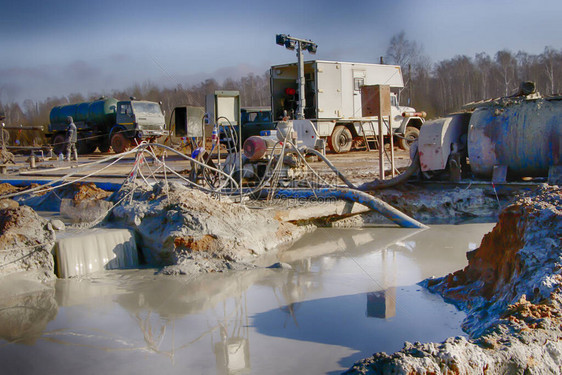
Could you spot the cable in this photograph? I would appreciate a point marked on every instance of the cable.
(42, 189)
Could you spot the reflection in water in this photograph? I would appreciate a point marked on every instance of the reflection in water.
(293, 288)
(350, 241)
(233, 355)
(206, 323)
(23, 318)
(232, 352)
(381, 304)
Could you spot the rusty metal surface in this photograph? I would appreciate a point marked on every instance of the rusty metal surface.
(524, 135)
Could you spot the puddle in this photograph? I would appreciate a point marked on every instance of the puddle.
(350, 293)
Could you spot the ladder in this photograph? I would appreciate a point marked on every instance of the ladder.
(369, 138)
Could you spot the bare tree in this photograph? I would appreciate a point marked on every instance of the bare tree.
(507, 70)
(402, 51)
(551, 60)
(484, 67)
(408, 54)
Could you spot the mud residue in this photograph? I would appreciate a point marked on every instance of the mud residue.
(431, 206)
(512, 293)
(26, 241)
(441, 205)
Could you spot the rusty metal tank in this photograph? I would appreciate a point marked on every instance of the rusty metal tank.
(520, 133)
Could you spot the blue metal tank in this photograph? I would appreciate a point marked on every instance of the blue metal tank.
(100, 113)
(522, 134)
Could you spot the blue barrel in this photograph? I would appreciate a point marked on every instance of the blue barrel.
(524, 135)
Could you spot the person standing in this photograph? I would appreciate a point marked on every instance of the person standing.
(71, 139)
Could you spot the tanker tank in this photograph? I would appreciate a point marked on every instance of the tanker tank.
(523, 134)
(100, 113)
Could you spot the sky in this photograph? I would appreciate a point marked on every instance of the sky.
(54, 48)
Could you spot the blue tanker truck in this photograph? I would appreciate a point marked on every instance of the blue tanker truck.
(107, 122)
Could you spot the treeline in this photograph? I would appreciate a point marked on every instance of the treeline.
(254, 91)
(445, 86)
(438, 88)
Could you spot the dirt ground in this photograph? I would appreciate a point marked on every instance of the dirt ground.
(358, 166)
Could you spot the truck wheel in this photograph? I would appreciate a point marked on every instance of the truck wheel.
(119, 143)
(59, 144)
(341, 139)
(410, 136)
(92, 148)
(82, 146)
(104, 147)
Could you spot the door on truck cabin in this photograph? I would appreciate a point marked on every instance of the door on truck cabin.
(328, 91)
(358, 81)
(125, 114)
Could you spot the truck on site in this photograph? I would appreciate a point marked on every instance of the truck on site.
(254, 121)
(333, 101)
(107, 122)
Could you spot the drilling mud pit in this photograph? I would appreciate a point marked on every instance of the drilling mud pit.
(348, 293)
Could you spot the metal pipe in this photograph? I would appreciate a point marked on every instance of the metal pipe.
(21, 127)
(381, 148)
(302, 99)
(240, 166)
(356, 196)
(392, 165)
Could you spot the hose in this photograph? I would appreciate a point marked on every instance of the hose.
(412, 169)
(332, 166)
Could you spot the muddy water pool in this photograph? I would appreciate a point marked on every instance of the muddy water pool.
(350, 293)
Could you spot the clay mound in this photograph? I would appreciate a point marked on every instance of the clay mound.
(26, 241)
(512, 292)
(88, 190)
(51, 201)
(520, 257)
(194, 232)
(6, 188)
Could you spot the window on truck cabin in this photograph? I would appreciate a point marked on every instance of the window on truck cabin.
(393, 100)
(252, 116)
(147, 108)
(125, 109)
(357, 83)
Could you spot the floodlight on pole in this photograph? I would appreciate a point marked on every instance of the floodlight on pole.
(300, 44)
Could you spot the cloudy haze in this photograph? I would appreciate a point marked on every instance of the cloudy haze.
(54, 48)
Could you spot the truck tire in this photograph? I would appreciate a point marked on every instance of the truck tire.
(410, 136)
(59, 144)
(82, 146)
(120, 143)
(341, 140)
(104, 147)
